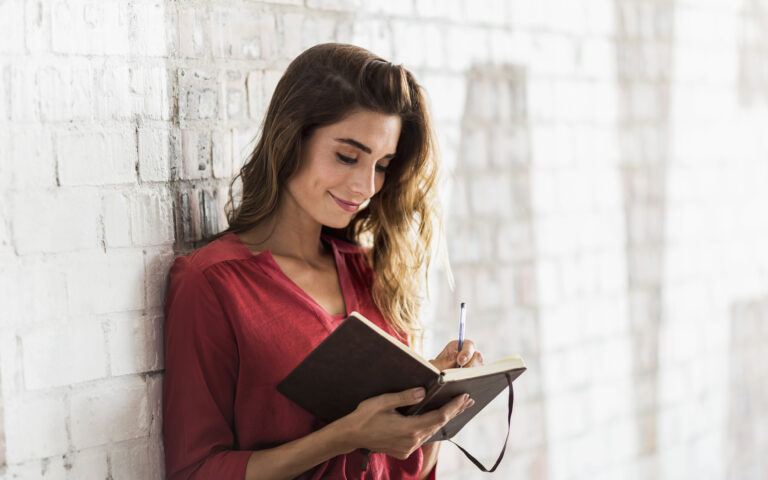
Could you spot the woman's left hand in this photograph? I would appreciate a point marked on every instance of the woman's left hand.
(451, 358)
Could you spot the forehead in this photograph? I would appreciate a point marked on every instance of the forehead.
(378, 131)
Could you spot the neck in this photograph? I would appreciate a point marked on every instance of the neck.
(288, 232)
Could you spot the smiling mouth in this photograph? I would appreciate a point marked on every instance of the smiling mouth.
(346, 206)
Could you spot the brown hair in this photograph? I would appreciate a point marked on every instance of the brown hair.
(320, 87)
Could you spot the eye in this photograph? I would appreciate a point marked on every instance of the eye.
(345, 159)
(381, 168)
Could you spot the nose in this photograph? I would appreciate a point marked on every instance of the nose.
(363, 182)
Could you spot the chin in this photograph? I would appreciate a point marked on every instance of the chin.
(338, 221)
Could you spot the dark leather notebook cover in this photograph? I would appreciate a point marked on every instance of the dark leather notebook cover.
(482, 390)
(356, 362)
(352, 364)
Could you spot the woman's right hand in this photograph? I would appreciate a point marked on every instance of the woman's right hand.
(377, 426)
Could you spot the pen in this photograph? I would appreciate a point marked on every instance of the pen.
(462, 323)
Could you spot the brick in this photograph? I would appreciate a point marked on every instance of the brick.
(393, 8)
(488, 292)
(290, 27)
(154, 154)
(109, 411)
(6, 242)
(374, 35)
(97, 158)
(5, 90)
(489, 195)
(155, 396)
(339, 5)
(150, 93)
(24, 103)
(446, 9)
(151, 218)
(63, 355)
(90, 28)
(50, 468)
(89, 464)
(406, 34)
(318, 29)
(491, 13)
(597, 59)
(106, 282)
(11, 378)
(37, 23)
(474, 148)
(234, 92)
(474, 242)
(135, 344)
(271, 78)
(198, 94)
(116, 217)
(148, 29)
(196, 154)
(447, 96)
(561, 422)
(58, 211)
(197, 214)
(465, 46)
(193, 39)
(11, 23)
(222, 194)
(24, 282)
(558, 330)
(143, 460)
(260, 87)
(113, 93)
(222, 154)
(30, 159)
(244, 34)
(66, 92)
(257, 106)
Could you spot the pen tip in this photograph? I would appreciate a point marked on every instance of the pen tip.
(463, 304)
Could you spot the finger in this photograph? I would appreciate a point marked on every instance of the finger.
(411, 396)
(476, 360)
(450, 350)
(444, 414)
(467, 350)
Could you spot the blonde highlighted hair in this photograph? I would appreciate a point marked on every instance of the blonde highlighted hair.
(320, 87)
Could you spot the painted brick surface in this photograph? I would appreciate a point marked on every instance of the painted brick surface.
(604, 188)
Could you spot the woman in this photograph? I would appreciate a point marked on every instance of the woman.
(345, 158)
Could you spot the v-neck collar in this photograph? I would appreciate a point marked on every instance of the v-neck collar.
(267, 260)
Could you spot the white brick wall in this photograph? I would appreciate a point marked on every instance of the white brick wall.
(605, 198)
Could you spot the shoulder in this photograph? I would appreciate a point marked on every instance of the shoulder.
(223, 249)
(193, 267)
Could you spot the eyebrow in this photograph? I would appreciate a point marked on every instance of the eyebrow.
(359, 145)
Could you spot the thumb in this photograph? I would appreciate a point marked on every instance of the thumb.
(411, 396)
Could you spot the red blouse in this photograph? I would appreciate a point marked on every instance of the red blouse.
(235, 326)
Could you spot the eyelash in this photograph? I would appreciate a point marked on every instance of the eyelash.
(349, 161)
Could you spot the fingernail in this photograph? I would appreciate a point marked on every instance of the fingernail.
(462, 358)
(465, 398)
(418, 393)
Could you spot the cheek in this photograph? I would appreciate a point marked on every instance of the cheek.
(379, 182)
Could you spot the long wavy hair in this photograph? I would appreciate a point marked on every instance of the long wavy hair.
(321, 86)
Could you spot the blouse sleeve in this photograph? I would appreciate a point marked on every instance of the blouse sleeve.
(201, 362)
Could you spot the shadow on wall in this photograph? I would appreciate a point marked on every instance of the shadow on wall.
(753, 72)
(748, 390)
(489, 222)
(644, 134)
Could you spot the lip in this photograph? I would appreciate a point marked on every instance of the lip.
(346, 206)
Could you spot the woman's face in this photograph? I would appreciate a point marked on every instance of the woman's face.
(343, 165)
